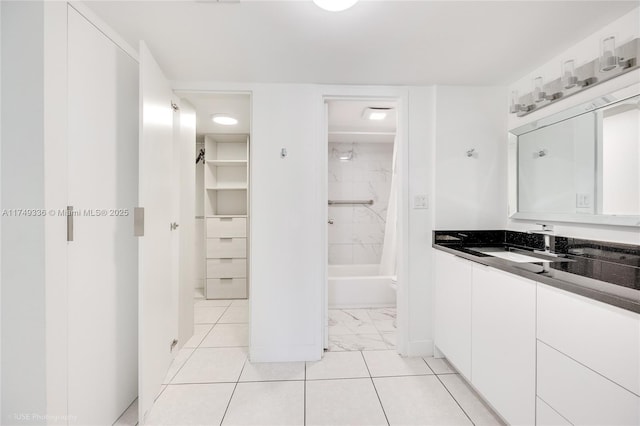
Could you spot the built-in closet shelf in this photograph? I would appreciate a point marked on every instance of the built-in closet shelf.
(227, 163)
(228, 188)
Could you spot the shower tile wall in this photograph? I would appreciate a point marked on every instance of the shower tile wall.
(357, 233)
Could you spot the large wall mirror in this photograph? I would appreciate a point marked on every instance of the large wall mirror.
(581, 165)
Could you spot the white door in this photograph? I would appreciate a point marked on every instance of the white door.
(102, 152)
(157, 304)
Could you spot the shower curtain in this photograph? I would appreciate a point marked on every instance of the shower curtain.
(389, 248)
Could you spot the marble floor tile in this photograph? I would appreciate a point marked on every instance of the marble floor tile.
(269, 371)
(385, 325)
(227, 335)
(207, 314)
(343, 402)
(440, 365)
(339, 329)
(235, 315)
(389, 363)
(266, 404)
(201, 404)
(199, 333)
(212, 365)
(418, 400)
(356, 342)
(340, 316)
(338, 365)
(389, 339)
(470, 401)
(177, 364)
(382, 314)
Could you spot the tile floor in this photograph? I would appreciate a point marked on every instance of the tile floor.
(362, 329)
(211, 381)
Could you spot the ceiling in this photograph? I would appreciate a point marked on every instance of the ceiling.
(206, 104)
(375, 42)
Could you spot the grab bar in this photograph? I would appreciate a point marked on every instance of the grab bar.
(369, 202)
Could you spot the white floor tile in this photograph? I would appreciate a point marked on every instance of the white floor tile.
(227, 335)
(469, 400)
(213, 303)
(177, 364)
(240, 302)
(211, 365)
(338, 365)
(389, 363)
(389, 339)
(207, 314)
(130, 416)
(266, 404)
(266, 371)
(356, 342)
(235, 315)
(418, 400)
(440, 365)
(199, 333)
(202, 404)
(343, 402)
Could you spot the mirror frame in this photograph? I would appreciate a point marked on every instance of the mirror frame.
(599, 219)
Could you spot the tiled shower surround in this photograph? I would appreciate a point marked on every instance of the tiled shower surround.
(357, 233)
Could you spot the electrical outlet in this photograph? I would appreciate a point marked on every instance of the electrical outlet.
(583, 201)
(420, 202)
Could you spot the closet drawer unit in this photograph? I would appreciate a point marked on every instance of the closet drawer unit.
(600, 336)
(227, 247)
(580, 395)
(227, 288)
(226, 268)
(226, 227)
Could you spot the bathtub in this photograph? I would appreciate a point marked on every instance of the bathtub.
(359, 286)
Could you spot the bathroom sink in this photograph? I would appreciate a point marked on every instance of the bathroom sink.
(514, 255)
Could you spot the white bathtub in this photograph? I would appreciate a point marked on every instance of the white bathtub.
(359, 286)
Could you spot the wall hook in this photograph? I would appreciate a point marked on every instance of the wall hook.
(283, 153)
(471, 152)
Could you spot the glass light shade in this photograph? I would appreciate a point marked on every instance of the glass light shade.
(608, 58)
(569, 78)
(538, 89)
(335, 5)
(515, 102)
(224, 120)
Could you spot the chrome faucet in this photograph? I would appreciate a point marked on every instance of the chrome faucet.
(547, 232)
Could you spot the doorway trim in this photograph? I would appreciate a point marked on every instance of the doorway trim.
(399, 95)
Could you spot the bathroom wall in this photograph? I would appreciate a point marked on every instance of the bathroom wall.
(625, 29)
(357, 233)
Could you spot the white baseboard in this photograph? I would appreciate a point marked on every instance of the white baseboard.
(420, 348)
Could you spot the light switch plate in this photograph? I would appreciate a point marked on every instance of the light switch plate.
(420, 201)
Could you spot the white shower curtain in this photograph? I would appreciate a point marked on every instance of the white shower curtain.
(389, 248)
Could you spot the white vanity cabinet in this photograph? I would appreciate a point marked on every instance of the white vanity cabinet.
(453, 310)
(503, 342)
(588, 359)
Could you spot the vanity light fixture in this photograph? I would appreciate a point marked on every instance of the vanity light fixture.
(612, 62)
(224, 119)
(335, 5)
(374, 113)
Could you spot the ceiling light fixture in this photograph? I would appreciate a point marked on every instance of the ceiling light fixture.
(335, 5)
(224, 119)
(372, 113)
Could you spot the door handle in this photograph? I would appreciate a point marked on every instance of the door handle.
(174, 226)
(330, 221)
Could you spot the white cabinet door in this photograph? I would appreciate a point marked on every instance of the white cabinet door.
(504, 342)
(158, 322)
(453, 310)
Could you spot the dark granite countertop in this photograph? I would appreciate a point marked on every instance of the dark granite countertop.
(607, 272)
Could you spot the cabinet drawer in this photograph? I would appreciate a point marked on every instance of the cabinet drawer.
(227, 247)
(600, 336)
(225, 227)
(226, 288)
(580, 395)
(226, 268)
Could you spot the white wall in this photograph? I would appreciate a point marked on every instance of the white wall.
(23, 261)
(625, 29)
(470, 192)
